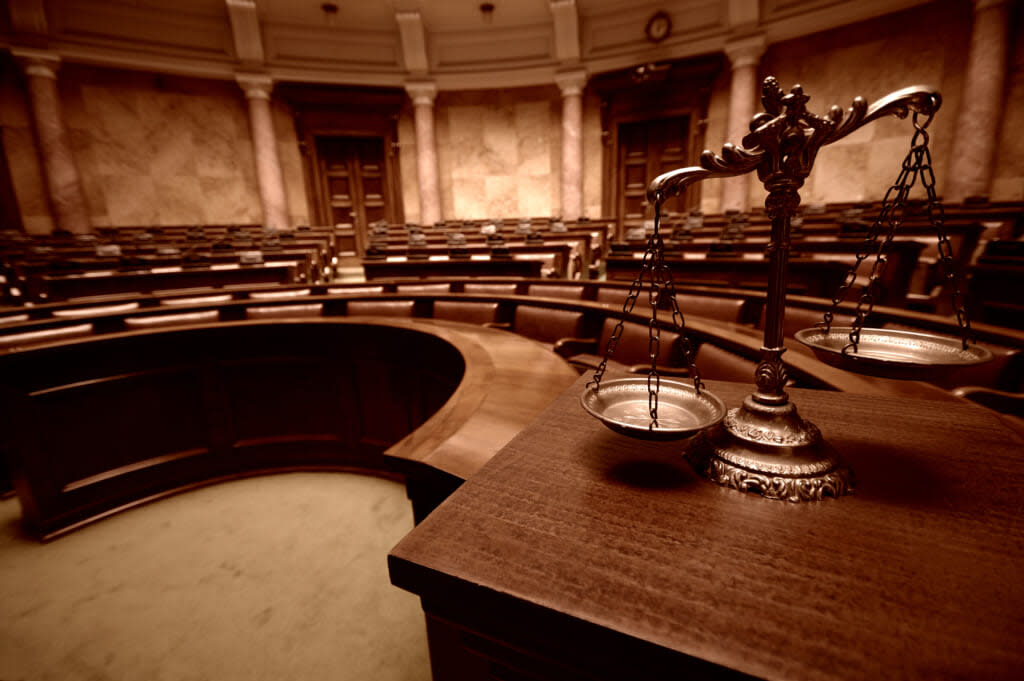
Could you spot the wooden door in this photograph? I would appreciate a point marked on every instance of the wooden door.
(353, 180)
(647, 149)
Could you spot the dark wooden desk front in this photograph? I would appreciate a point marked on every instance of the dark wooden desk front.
(578, 553)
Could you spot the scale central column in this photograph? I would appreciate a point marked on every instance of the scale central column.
(764, 445)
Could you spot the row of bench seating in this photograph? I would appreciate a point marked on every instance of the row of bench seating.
(575, 310)
(35, 269)
(567, 249)
(572, 318)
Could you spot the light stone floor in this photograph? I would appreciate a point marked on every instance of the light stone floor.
(274, 577)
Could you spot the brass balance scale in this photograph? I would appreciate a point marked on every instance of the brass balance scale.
(764, 446)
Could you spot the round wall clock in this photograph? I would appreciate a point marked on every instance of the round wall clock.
(658, 27)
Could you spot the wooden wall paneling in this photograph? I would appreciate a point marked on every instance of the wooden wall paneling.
(648, 93)
(323, 112)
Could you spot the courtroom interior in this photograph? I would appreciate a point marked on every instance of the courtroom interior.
(306, 308)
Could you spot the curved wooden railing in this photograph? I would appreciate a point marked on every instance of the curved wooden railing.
(92, 426)
(105, 406)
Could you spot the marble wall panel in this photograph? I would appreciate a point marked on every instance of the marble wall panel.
(465, 139)
(488, 140)
(407, 166)
(228, 200)
(533, 195)
(131, 199)
(533, 121)
(925, 45)
(714, 137)
(179, 200)
(172, 152)
(1008, 183)
(445, 163)
(501, 198)
(469, 198)
(83, 151)
(500, 143)
(838, 171)
(152, 148)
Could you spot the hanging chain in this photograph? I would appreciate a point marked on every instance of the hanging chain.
(653, 331)
(937, 217)
(892, 209)
(627, 307)
(917, 163)
(660, 278)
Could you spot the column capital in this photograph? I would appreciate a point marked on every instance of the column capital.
(37, 62)
(571, 82)
(422, 92)
(255, 85)
(745, 51)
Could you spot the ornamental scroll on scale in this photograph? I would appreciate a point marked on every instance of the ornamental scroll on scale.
(765, 446)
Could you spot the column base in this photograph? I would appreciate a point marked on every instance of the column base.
(768, 449)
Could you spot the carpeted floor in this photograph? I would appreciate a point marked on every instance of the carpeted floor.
(276, 577)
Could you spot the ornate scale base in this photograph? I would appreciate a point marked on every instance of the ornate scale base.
(765, 447)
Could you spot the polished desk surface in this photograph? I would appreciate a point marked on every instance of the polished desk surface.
(585, 545)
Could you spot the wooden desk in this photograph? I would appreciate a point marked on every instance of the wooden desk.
(819, 278)
(578, 553)
(424, 268)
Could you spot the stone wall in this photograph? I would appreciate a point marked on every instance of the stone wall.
(922, 46)
(152, 150)
(160, 149)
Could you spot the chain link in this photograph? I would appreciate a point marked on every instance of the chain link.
(937, 217)
(659, 276)
(916, 164)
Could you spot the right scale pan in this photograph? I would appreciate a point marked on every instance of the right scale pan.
(890, 353)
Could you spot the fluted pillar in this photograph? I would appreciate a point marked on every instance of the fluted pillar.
(571, 84)
(63, 183)
(981, 103)
(273, 199)
(422, 95)
(744, 55)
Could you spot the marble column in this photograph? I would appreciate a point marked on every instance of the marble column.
(427, 173)
(571, 84)
(63, 183)
(744, 90)
(273, 199)
(981, 103)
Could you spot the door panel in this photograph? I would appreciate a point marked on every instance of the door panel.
(647, 149)
(352, 170)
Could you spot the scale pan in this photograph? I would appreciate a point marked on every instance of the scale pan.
(891, 353)
(621, 404)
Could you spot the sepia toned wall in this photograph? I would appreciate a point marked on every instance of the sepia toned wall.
(152, 150)
(924, 46)
(1008, 182)
(499, 154)
(163, 150)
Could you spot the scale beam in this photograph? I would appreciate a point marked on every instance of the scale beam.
(765, 446)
